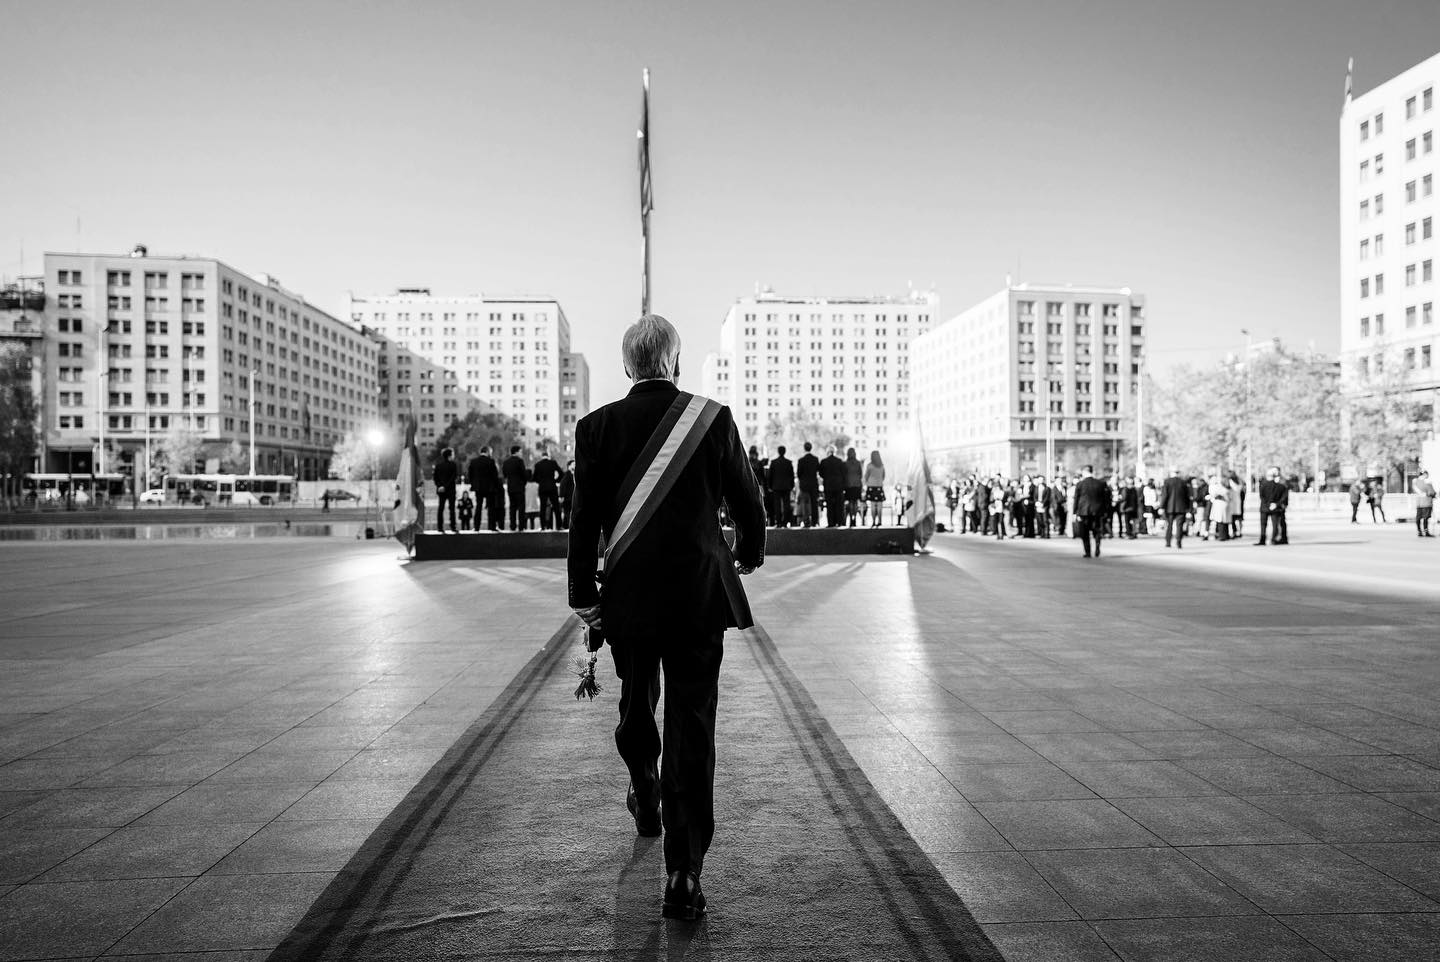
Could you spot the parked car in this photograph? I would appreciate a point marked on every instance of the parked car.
(339, 494)
(153, 496)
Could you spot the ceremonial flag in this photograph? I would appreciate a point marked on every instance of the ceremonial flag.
(647, 193)
(410, 514)
(1349, 79)
(920, 513)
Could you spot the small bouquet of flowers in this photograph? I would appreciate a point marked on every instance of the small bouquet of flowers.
(585, 667)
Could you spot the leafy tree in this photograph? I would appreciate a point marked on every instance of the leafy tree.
(180, 448)
(1388, 422)
(17, 418)
(797, 426)
(479, 429)
(352, 459)
(235, 458)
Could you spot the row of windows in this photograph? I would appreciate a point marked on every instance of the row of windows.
(1412, 359)
(1424, 102)
(1414, 315)
(1057, 309)
(1414, 147)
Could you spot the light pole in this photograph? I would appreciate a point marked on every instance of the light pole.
(252, 421)
(375, 437)
(1249, 467)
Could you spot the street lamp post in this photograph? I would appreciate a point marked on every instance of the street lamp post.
(375, 437)
(1249, 467)
(252, 421)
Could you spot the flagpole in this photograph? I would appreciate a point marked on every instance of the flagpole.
(646, 191)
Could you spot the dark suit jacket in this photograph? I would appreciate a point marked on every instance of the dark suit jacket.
(1274, 492)
(1092, 497)
(514, 471)
(808, 469)
(782, 474)
(446, 474)
(1175, 496)
(546, 474)
(677, 580)
(483, 475)
(832, 473)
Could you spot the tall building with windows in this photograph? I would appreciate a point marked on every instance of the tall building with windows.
(843, 361)
(1036, 378)
(135, 345)
(1389, 210)
(445, 356)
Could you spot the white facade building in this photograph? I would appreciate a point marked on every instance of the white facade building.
(137, 344)
(1031, 379)
(844, 361)
(1389, 162)
(444, 356)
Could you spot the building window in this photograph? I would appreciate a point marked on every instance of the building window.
(1365, 327)
(1379, 164)
(1379, 124)
(1427, 312)
(1409, 108)
(1379, 245)
(1364, 287)
(1427, 185)
(1409, 233)
(1425, 229)
(1427, 98)
(1409, 275)
(1410, 316)
(1379, 204)
(1364, 130)
(1427, 272)
(1364, 210)
(1409, 194)
(1425, 356)
(1379, 325)
(1364, 171)
(1379, 284)
(1410, 149)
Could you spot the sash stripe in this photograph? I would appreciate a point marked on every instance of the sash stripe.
(661, 475)
(649, 451)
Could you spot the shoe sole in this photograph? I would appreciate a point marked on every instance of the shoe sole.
(684, 913)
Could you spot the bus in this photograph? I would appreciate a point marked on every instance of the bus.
(227, 489)
(80, 490)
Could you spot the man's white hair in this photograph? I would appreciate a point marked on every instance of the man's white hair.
(650, 348)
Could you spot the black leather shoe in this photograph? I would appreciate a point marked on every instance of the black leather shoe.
(647, 821)
(683, 898)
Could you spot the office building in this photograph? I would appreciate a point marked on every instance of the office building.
(1389, 164)
(445, 356)
(841, 361)
(1034, 379)
(134, 345)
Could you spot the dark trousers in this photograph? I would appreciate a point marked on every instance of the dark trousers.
(494, 510)
(835, 507)
(1091, 526)
(549, 509)
(565, 512)
(782, 515)
(1174, 525)
(686, 777)
(1355, 511)
(1422, 519)
(447, 495)
(517, 507)
(1276, 521)
(810, 507)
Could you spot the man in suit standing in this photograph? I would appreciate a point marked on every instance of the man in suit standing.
(513, 470)
(446, 476)
(1092, 506)
(782, 482)
(668, 601)
(808, 471)
(1424, 503)
(484, 477)
(1274, 499)
(546, 475)
(832, 477)
(1175, 502)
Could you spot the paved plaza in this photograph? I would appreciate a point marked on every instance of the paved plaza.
(1224, 752)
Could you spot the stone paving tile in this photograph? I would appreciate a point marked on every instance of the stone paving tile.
(1053, 720)
(91, 807)
(300, 846)
(29, 774)
(1296, 879)
(949, 827)
(218, 913)
(1349, 818)
(349, 799)
(1421, 803)
(1417, 864)
(1014, 781)
(77, 918)
(1002, 887)
(1376, 773)
(388, 764)
(1154, 778)
(228, 802)
(1206, 743)
(1265, 775)
(1302, 741)
(153, 851)
(27, 852)
(15, 801)
(175, 768)
(1049, 942)
(1137, 883)
(1209, 820)
(1071, 823)
(265, 765)
(1371, 938)
(1232, 939)
(1061, 747)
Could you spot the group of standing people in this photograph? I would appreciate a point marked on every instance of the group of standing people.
(1121, 507)
(851, 491)
(537, 495)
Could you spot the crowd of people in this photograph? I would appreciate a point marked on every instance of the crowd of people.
(1090, 507)
(851, 491)
(537, 496)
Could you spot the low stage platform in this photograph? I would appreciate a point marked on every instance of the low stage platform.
(495, 545)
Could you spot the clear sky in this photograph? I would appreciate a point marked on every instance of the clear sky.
(1184, 149)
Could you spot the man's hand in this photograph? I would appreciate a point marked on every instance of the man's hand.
(591, 616)
(744, 569)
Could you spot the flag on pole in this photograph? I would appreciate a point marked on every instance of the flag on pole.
(410, 514)
(1349, 79)
(920, 512)
(647, 193)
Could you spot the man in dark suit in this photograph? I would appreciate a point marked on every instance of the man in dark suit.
(782, 482)
(807, 470)
(1274, 499)
(446, 476)
(832, 477)
(546, 475)
(668, 601)
(1175, 502)
(1092, 506)
(515, 475)
(484, 477)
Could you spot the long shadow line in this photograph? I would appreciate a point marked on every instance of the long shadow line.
(951, 922)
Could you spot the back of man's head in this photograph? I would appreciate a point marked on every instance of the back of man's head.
(1088, 470)
(514, 449)
(780, 451)
(807, 445)
(485, 451)
(651, 349)
(447, 453)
